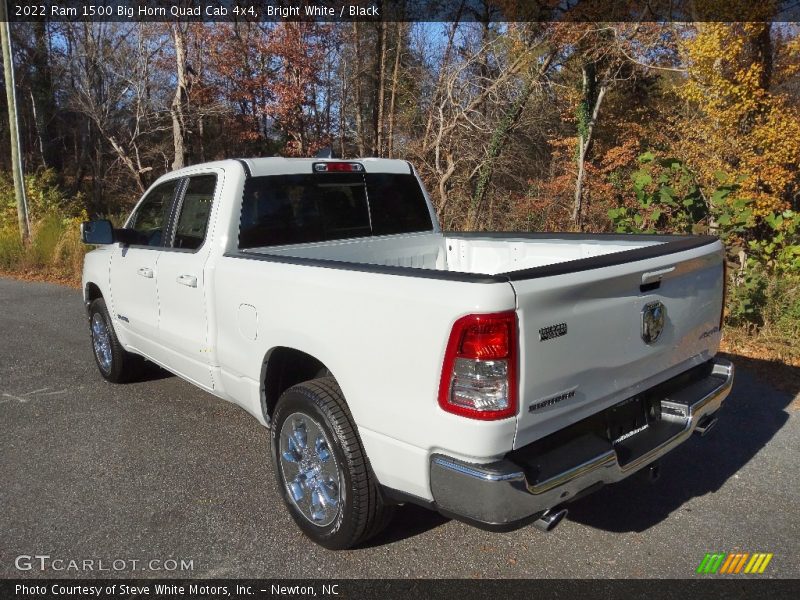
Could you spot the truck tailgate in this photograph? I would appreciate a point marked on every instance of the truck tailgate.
(581, 333)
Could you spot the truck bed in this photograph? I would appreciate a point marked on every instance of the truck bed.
(504, 255)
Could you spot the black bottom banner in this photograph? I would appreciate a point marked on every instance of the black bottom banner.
(411, 589)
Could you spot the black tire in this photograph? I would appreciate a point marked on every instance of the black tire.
(122, 366)
(361, 510)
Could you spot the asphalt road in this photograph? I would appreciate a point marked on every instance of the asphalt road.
(158, 470)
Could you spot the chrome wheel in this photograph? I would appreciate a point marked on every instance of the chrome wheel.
(309, 468)
(101, 341)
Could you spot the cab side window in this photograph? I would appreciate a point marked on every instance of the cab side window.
(152, 216)
(190, 230)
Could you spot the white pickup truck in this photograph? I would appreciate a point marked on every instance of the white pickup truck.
(493, 377)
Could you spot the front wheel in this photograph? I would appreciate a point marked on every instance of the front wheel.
(321, 468)
(113, 361)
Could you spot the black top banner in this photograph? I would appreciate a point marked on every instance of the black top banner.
(403, 10)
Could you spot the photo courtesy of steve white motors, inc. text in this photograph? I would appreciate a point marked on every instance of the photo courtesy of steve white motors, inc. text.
(171, 589)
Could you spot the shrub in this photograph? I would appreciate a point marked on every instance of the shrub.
(54, 247)
(782, 308)
(747, 298)
(45, 236)
(764, 294)
(44, 197)
(69, 251)
(666, 198)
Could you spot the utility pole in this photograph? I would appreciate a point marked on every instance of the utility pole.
(13, 125)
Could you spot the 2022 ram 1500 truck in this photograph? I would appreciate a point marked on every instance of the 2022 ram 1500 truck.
(493, 377)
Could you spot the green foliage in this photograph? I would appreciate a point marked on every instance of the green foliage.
(54, 245)
(668, 198)
(779, 249)
(767, 291)
(43, 194)
(747, 299)
(762, 301)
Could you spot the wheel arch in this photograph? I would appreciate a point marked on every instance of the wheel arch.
(91, 292)
(283, 367)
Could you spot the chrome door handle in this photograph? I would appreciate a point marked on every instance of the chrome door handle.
(146, 272)
(188, 280)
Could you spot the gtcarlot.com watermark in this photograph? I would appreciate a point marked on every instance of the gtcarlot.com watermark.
(45, 562)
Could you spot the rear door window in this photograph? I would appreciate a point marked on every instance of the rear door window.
(195, 210)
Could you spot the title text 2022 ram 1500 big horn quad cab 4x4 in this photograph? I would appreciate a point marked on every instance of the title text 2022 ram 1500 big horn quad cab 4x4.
(493, 377)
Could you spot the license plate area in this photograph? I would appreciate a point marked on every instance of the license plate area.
(630, 417)
(631, 428)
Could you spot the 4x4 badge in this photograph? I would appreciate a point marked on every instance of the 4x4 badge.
(654, 316)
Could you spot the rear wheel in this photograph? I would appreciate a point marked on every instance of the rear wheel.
(113, 361)
(321, 468)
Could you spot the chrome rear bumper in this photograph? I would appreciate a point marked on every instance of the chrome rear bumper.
(527, 483)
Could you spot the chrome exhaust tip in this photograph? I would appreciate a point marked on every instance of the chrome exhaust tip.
(706, 424)
(654, 472)
(550, 520)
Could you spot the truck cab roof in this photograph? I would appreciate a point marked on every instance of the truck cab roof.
(260, 167)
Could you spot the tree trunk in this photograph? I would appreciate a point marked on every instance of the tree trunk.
(181, 95)
(81, 159)
(764, 54)
(128, 162)
(357, 93)
(39, 127)
(497, 143)
(483, 66)
(42, 100)
(343, 97)
(443, 183)
(440, 79)
(380, 91)
(393, 96)
(585, 129)
(13, 125)
(201, 130)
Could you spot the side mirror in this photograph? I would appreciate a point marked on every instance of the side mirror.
(97, 232)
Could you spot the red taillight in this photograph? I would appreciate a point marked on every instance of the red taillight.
(480, 365)
(338, 167)
(485, 341)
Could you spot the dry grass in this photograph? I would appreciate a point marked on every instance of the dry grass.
(772, 358)
(66, 279)
(54, 253)
(763, 345)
